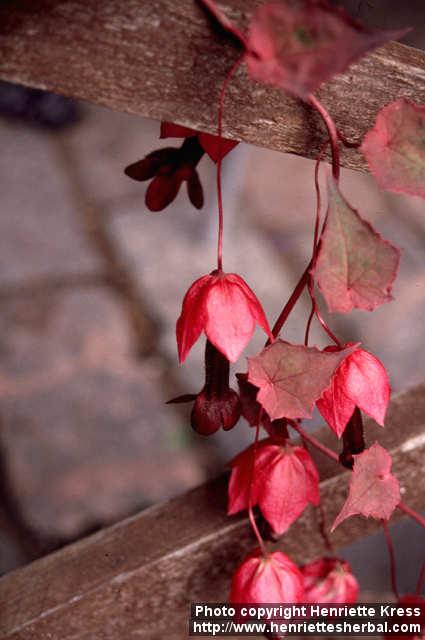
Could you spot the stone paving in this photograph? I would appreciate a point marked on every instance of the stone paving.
(91, 286)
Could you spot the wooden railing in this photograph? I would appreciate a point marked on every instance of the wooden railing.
(162, 60)
(138, 578)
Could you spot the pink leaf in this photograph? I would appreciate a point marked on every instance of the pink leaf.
(360, 381)
(262, 579)
(374, 491)
(355, 267)
(284, 481)
(292, 377)
(395, 148)
(298, 44)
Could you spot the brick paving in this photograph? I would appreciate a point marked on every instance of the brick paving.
(91, 285)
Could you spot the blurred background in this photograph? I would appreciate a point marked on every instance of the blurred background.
(91, 285)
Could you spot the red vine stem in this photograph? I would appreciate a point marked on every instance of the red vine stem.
(421, 580)
(314, 441)
(412, 513)
(219, 188)
(299, 288)
(250, 488)
(332, 131)
(212, 8)
(391, 554)
(315, 310)
(321, 519)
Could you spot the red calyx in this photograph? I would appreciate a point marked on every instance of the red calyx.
(262, 579)
(329, 580)
(284, 481)
(225, 308)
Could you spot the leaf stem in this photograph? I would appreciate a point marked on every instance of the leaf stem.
(412, 513)
(299, 288)
(219, 160)
(391, 554)
(250, 488)
(421, 580)
(321, 519)
(318, 315)
(313, 441)
(224, 22)
(334, 456)
(332, 131)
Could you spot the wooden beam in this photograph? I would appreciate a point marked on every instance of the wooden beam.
(137, 579)
(164, 60)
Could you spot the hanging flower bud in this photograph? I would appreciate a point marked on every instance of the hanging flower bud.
(216, 405)
(267, 578)
(225, 308)
(329, 580)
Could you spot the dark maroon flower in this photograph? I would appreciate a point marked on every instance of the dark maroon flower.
(169, 168)
(216, 405)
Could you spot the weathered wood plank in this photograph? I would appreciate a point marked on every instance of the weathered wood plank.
(136, 579)
(163, 60)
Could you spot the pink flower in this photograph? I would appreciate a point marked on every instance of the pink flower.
(284, 481)
(262, 579)
(225, 308)
(329, 580)
(170, 167)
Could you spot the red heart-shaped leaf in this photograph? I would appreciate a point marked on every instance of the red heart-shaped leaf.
(395, 148)
(355, 267)
(292, 377)
(374, 491)
(298, 44)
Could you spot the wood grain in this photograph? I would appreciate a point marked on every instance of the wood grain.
(137, 579)
(164, 60)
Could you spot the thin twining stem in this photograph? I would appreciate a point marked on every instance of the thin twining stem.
(391, 555)
(219, 187)
(332, 131)
(251, 486)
